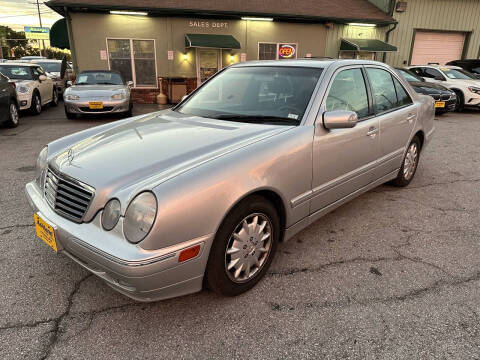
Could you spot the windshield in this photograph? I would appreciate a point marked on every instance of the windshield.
(408, 76)
(99, 78)
(50, 66)
(273, 94)
(16, 72)
(458, 74)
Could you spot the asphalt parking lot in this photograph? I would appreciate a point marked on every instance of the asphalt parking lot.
(394, 274)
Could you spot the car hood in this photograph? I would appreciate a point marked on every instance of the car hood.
(424, 86)
(143, 152)
(23, 82)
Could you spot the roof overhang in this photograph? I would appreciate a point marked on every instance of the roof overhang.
(60, 8)
(373, 45)
(211, 41)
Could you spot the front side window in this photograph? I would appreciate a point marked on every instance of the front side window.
(16, 72)
(259, 94)
(418, 71)
(134, 60)
(433, 73)
(50, 66)
(348, 92)
(383, 89)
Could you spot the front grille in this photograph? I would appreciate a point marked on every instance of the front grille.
(445, 97)
(435, 96)
(87, 109)
(67, 197)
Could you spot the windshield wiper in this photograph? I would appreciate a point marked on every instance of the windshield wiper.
(260, 119)
(105, 83)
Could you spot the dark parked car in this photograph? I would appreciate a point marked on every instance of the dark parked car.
(8, 102)
(445, 99)
(471, 65)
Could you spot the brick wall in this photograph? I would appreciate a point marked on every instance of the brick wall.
(149, 96)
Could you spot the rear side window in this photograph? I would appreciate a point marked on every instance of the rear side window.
(402, 96)
(348, 92)
(418, 71)
(432, 73)
(384, 94)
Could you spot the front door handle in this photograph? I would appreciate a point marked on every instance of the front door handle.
(372, 132)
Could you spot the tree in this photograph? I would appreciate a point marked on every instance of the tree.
(10, 38)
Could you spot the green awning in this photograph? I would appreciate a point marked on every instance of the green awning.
(211, 41)
(366, 45)
(59, 35)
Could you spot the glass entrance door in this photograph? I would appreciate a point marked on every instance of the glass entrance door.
(208, 63)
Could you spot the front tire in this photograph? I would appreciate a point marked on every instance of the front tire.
(12, 121)
(54, 101)
(36, 106)
(244, 247)
(69, 115)
(460, 104)
(409, 165)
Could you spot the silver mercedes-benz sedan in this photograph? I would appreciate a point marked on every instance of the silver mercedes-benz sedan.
(161, 205)
(98, 92)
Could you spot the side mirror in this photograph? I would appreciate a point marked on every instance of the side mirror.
(339, 119)
(130, 84)
(42, 78)
(69, 83)
(439, 77)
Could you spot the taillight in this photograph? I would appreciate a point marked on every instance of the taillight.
(14, 85)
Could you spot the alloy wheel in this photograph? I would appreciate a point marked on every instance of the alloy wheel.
(248, 248)
(410, 162)
(14, 114)
(38, 104)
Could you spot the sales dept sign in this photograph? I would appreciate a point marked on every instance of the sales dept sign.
(37, 33)
(287, 51)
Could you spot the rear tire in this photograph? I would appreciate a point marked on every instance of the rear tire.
(36, 106)
(12, 121)
(242, 251)
(409, 164)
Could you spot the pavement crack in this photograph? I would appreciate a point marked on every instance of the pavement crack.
(33, 324)
(17, 226)
(421, 261)
(58, 320)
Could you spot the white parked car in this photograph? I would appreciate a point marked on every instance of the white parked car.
(465, 84)
(58, 70)
(34, 88)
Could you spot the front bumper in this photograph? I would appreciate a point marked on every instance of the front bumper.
(140, 274)
(472, 100)
(24, 100)
(109, 106)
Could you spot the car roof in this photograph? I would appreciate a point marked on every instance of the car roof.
(109, 71)
(44, 60)
(436, 66)
(17, 63)
(308, 62)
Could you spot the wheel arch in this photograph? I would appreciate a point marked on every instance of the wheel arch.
(421, 136)
(268, 194)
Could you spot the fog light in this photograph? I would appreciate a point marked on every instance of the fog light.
(23, 102)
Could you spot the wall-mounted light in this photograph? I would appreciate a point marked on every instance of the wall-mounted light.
(257, 18)
(185, 57)
(122, 12)
(362, 24)
(232, 58)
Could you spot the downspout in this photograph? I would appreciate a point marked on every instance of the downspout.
(70, 39)
(387, 37)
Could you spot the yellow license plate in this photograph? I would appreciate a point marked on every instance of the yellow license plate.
(95, 105)
(45, 232)
(440, 104)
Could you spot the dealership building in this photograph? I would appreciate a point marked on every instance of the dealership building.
(176, 45)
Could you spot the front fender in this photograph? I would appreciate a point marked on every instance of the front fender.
(195, 203)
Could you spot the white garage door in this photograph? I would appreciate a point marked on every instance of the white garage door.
(437, 47)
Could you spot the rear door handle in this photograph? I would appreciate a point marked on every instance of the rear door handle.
(411, 117)
(372, 132)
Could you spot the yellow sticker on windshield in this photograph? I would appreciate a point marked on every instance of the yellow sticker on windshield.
(444, 69)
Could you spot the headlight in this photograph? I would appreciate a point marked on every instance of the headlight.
(73, 97)
(41, 166)
(140, 217)
(119, 96)
(111, 214)
(474, 89)
(23, 89)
